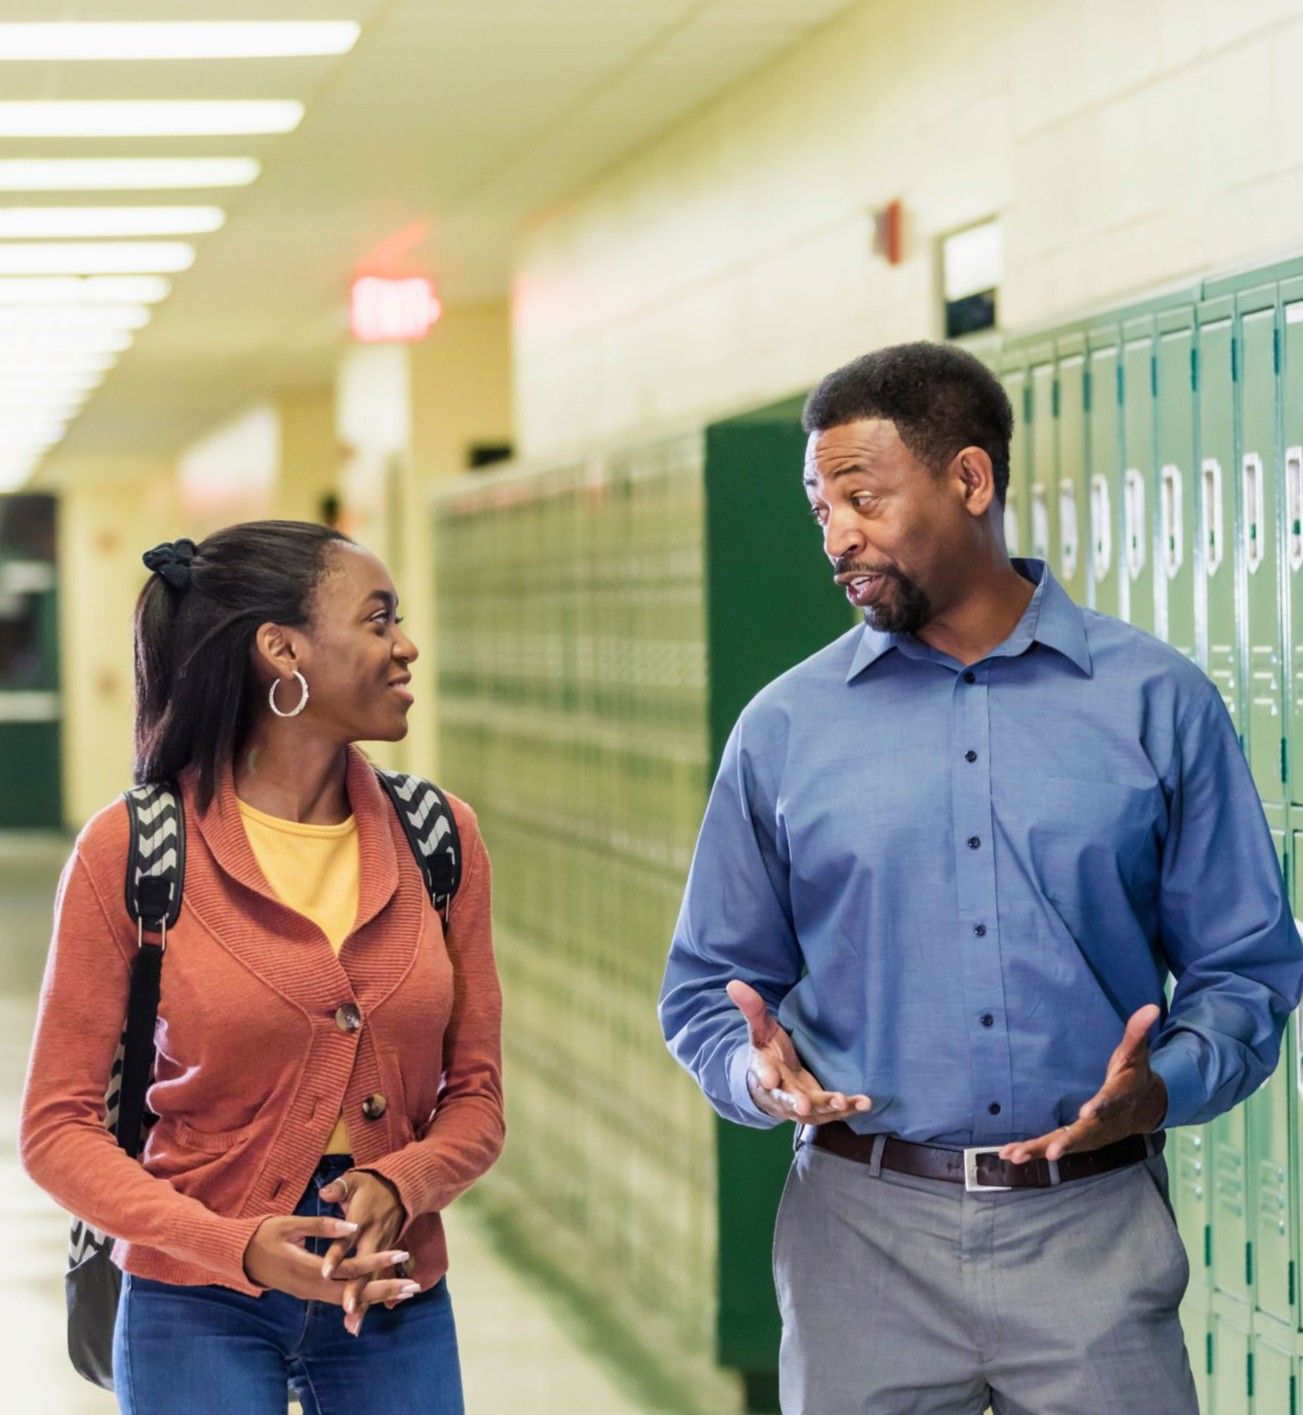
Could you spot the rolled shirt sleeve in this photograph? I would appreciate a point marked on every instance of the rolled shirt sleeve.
(1227, 930)
(735, 922)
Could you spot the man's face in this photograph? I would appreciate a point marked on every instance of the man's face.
(889, 525)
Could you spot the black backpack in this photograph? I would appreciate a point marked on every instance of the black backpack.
(155, 879)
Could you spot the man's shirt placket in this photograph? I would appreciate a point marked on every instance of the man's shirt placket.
(979, 943)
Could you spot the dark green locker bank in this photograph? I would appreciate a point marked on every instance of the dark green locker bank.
(30, 786)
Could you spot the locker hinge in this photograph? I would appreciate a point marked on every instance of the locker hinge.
(1027, 403)
(1275, 351)
(1054, 399)
(1248, 1375)
(1085, 392)
(1293, 1394)
(1121, 381)
(1153, 375)
(1235, 359)
(1208, 1352)
(1290, 1270)
(1194, 370)
(1284, 758)
(1207, 1245)
(1248, 1263)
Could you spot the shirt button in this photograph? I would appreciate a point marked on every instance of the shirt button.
(970, 756)
(994, 1107)
(987, 1020)
(974, 841)
(970, 677)
(980, 930)
(348, 1018)
(374, 1106)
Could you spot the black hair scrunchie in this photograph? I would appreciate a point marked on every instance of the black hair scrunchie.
(172, 560)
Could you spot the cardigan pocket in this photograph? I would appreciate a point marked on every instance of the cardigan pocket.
(213, 1142)
(391, 1072)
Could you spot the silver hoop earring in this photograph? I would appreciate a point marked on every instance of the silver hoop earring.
(303, 699)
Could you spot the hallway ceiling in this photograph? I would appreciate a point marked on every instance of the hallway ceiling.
(464, 114)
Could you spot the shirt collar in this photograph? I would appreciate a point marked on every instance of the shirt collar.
(1051, 618)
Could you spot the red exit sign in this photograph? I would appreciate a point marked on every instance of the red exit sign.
(398, 310)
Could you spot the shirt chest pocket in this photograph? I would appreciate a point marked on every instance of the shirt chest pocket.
(1073, 837)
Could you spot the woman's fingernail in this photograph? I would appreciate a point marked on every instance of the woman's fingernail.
(411, 1289)
(347, 1226)
(327, 1269)
(399, 1257)
(349, 1303)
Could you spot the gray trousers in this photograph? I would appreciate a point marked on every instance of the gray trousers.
(904, 1296)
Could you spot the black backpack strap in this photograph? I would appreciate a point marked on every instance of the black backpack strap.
(431, 831)
(155, 878)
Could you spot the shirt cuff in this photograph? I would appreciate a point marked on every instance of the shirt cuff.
(1176, 1063)
(749, 1113)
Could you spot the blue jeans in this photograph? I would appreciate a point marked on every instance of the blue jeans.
(178, 1350)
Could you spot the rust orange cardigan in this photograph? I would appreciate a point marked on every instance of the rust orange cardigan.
(253, 1067)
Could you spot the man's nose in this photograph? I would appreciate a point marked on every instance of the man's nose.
(841, 537)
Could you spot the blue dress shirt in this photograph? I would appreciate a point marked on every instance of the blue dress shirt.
(955, 885)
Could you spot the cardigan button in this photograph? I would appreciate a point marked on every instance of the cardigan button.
(348, 1018)
(374, 1106)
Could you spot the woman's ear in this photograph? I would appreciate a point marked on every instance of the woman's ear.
(275, 651)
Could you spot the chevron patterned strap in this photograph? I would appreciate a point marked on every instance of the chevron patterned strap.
(156, 867)
(431, 831)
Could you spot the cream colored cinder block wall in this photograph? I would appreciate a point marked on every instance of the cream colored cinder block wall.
(1124, 143)
(110, 513)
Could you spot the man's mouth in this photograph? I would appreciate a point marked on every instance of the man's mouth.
(860, 588)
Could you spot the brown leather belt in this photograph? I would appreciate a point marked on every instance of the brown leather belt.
(981, 1167)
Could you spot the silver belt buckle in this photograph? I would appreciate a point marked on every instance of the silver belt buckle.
(970, 1169)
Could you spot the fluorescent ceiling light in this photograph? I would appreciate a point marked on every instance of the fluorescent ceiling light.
(41, 222)
(146, 117)
(84, 290)
(93, 258)
(73, 317)
(90, 341)
(124, 174)
(257, 39)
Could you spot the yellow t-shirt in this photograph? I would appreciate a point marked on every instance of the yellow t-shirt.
(314, 869)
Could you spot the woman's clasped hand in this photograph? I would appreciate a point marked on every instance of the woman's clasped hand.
(277, 1257)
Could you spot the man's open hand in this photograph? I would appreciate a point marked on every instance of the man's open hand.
(1132, 1101)
(780, 1086)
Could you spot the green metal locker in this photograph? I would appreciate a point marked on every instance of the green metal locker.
(1104, 491)
(1017, 505)
(1176, 483)
(1275, 1389)
(1218, 497)
(1196, 1323)
(1292, 551)
(1139, 373)
(1232, 1363)
(1256, 361)
(1043, 443)
(1070, 557)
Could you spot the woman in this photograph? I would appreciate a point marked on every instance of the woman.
(328, 1075)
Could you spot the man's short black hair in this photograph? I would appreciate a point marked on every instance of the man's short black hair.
(940, 398)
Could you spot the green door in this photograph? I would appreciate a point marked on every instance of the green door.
(1138, 373)
(1218, 542)
(1105, 484)
(1071, 551)
(1292, 555)
(1256, 365)
(1176, 480)
(1232, 1373)
(1274, 1391)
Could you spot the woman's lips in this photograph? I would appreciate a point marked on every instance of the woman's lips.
(403, 692)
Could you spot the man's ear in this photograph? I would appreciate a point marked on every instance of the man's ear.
(974, 468)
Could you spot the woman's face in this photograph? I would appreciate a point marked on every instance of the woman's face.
(354, 654)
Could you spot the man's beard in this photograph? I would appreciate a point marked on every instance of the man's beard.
(902, 607)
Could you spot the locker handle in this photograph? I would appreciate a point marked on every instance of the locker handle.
(1101, 526)
(1133, 507)
(1040, 524)
(1068, 528)
(1173, 530)
(1210, 483)
(1251, 469)
(1294, 505)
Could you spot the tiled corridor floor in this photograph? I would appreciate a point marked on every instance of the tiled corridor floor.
(519, 1355)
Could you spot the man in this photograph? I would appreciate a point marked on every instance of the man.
(945, 868)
